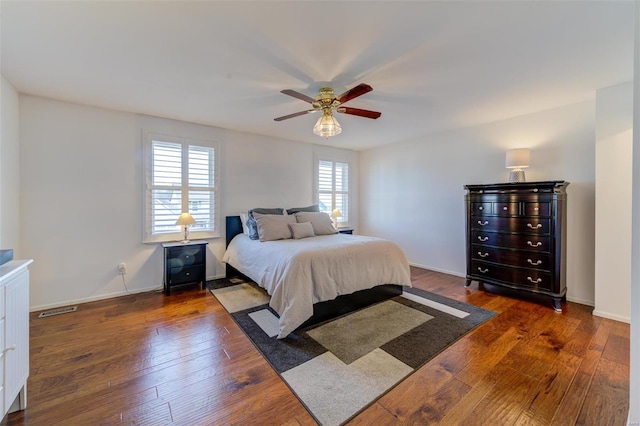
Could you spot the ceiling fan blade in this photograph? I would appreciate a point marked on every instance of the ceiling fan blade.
(360, 112)
(295, 114)
(359, 90)
(298, 95)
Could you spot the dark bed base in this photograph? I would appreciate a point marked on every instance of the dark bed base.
(331, 308)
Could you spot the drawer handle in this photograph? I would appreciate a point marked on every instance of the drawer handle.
(481, 254)
(538, 226)
(481, 223)
(483, 239)
(188, 273)
(480, 208)
(186, 257)
(505, 208)
(536, 263)
(538, 244)
(484, 271)
(536, 209)
(538, 281)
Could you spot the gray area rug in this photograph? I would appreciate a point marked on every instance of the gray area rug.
(339, 367)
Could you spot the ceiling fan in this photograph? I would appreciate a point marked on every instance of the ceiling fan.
(327, 102)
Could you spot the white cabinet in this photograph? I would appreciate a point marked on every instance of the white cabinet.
(14, 334)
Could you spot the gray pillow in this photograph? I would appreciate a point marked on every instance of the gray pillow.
(273, 227)
(320, 221)
(301, 230)
(251, 223)
(313, 208)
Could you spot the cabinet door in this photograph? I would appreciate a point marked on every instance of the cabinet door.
(16, 336)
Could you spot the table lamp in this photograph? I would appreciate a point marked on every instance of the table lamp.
(517, 159)
(335, 214)
(185, 220)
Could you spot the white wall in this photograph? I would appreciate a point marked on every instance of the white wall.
(412, 192)
(9, 168)
(81, 188)
(634, 376)
(614, 153)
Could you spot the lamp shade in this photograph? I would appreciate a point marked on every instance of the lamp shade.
(327, 125)
(517, 158)
(336, 213)
(185, 219)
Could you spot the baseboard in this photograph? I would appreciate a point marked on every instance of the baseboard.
(444, 271)
(611, 316)
(105, 296)
(581, 301)
(92, 299)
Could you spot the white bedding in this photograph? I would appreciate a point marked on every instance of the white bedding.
(299, 273)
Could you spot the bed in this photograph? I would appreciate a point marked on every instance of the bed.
(314, 279)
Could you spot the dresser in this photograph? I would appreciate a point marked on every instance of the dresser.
(14, 334)
(184, 264)
(516, 237)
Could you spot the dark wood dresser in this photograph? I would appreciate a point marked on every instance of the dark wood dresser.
(184, 263)
(516, 236)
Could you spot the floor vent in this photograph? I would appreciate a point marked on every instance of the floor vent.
(58, 311)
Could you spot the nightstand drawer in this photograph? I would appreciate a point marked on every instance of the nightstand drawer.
(185, 275)
(185, 256)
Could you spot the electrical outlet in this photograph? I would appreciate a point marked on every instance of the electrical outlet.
(122, 268)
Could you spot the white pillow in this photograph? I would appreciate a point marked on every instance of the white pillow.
(301, 230)
(244, 218)
(273, 227)
(320, 221)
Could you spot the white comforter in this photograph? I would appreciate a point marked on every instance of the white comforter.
(299, 273)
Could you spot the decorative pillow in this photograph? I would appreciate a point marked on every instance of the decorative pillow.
(320, 221)
(251, 223)
(273, 227)
(244, 218)
(301, 230)
(313, 208)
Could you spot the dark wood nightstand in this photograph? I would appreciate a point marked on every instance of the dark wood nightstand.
(345, 231)
(184, 264)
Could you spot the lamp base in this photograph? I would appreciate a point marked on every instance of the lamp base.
(516, 176)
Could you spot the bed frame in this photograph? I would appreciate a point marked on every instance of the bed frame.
(331, 308)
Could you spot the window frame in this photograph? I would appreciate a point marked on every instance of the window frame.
(148, 237)
(316, 185)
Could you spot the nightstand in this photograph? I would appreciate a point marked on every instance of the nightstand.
(345, 231)
(184, 264)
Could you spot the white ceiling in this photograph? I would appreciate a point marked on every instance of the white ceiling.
(432, 65)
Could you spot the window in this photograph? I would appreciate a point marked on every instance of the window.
(333, 187)
(180, 176)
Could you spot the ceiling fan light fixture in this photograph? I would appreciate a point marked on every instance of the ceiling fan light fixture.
(327, 125)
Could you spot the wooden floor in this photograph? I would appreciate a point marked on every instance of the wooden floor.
(151, 359)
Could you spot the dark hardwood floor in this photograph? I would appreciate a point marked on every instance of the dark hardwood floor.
(152, 359)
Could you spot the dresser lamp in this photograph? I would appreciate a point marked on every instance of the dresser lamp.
(185, 220)
(335, 214)
(517, 159)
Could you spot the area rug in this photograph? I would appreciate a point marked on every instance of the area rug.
(339, 367)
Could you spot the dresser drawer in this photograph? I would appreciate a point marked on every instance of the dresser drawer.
(514, 241)
(535, 226)
(537, 209)
(187, 274)
(481, 208)
(506, 208)
(520, 277)
(511, 257)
